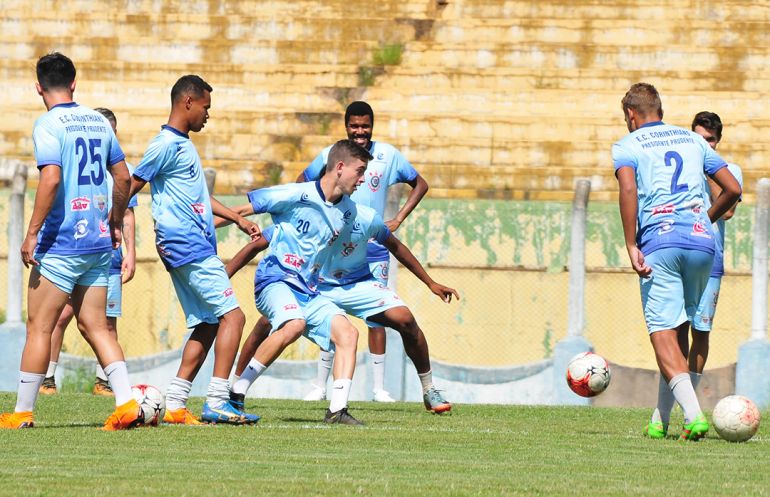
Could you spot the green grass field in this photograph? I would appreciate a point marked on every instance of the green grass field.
(403, 450)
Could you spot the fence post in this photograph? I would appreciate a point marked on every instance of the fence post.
(752, 372)
(574, 343)
(211, 178)
(13, 331)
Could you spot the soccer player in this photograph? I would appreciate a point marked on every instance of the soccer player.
(121, 271)
(709, 126)
(668, 234)
(182, 208)
(70, 239)
(308, 220)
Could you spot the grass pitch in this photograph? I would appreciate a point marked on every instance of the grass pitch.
(403, 450)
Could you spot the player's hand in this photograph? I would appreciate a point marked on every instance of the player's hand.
(637, 262)
(393, 224)
(28, 250)
(249, 228)
(127, 269)
(444, 292)
(116, 233)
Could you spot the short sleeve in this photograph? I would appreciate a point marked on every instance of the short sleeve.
(116, 153)
(274, 199)
(378, 230)
(402, 171)
(47, 147)
(623, 157)
(153, 161)
(712, 162)
(313, 171)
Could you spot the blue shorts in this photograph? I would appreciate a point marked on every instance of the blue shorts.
(707, 308)
(363, 299)
(204, 290)
(66, 271)
(670, 295)
(281, 303)
(114, 296)
(380, 270)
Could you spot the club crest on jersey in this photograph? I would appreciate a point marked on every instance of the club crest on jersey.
(698, 229)
(81, 229)
(334, 237)
(198, 208)
(104, 229)
(101, 202)
(663, 209)
(80, 204)
(346, 216)
(293, 260)
(348, 248)
(374, 181)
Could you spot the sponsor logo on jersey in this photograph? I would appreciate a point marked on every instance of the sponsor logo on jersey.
(101, 202)
(380, 156)
(111, 304)
(663, 209)
(293, 260)
(198, 208)
(104, 229)
(303, 198)
(356, 228)
(698, 229)
(81, 229)
(346, 216)
(374, 181)
(666, 226)
(228, 292)
(348, 248)
(696, 209)
(290, 307)
(80, 204)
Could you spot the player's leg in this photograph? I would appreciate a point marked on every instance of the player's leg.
(57, 338)
(344, 336)
(258, 335)
(45, 301)
(701, 328)
(380, 271)
(114, 311)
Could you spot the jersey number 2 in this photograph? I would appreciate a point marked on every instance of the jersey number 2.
(92, 151)
(674, 159)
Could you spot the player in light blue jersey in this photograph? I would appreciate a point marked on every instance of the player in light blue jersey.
(121, 271)
(183, 210)
(668, 234)
(387, 168)
(70, 239)
(709, 126)
(308, 220)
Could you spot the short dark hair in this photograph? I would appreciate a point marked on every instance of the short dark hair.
(107, 113)
(190, 83)
(55, 70)
(709, 121)
(358, 108)
(344, 150)
(644, 99)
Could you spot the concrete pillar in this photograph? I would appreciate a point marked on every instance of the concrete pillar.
(574, 343)
(752, 373)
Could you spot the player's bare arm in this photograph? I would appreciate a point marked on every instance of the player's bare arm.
(731, 192)
(419, 189)
(248, 227)
(128, 267)
(50, 177)
(120, 189)
(137, 184)
(242, 210)
(246, 254)
(402, 253)
(628, 205)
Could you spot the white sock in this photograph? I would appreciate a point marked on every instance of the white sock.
(684, 393)
(26, 396)
(340, 394)
(325, 362)
(51, 369)
(248, 376)
(695, 379)
(177, 394)
(117, 375)
(100, 372)
(378, 371)
(218, 392)
(426, 379)
(666, 401)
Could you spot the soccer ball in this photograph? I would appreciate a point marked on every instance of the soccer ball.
(152, 401)
(736, 418)
(588, 374)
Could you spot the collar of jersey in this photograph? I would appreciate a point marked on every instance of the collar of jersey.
(654, 123)
(175, 131)
(323, 197)
(66, 104)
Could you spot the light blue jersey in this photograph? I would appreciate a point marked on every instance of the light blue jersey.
(81, 142)
(718, 270)
(669, 163)
(306, 225)
(387, 168)
(347, 262)
(181, 207)
(117, 254)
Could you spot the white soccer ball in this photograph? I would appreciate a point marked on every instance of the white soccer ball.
(152, 401)
(736, 418)
(588, 374)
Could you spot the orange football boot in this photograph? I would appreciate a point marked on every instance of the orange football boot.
(125, 416)
(181, 416)
(16, 420)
